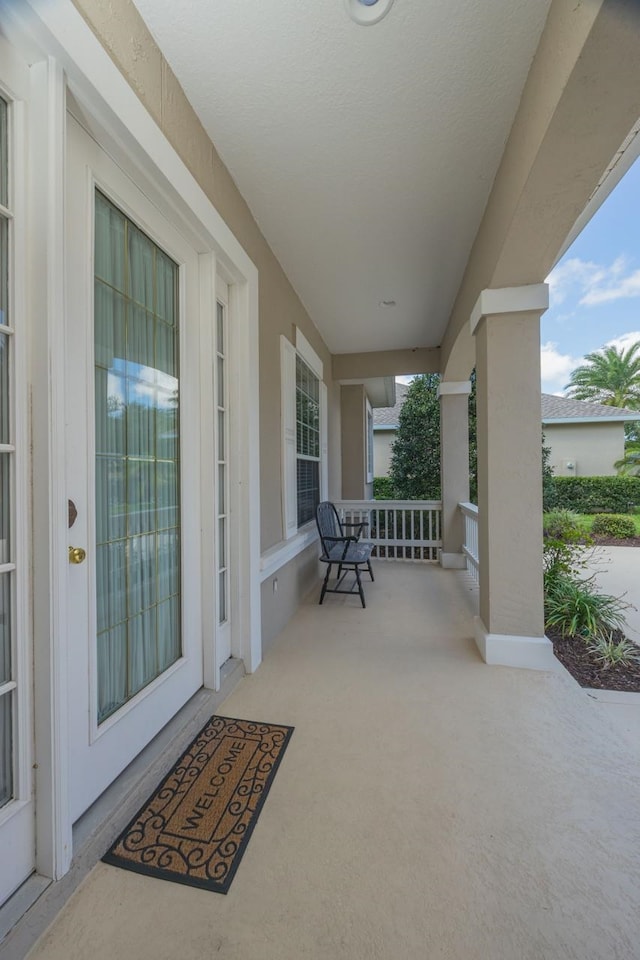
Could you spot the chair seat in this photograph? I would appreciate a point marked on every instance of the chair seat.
(356, 553)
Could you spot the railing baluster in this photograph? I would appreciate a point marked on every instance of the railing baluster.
(399, 529)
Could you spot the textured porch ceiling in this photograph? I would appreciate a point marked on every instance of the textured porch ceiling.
(366, 154)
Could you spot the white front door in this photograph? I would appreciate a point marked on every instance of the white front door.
(132, 455)
(17, 832)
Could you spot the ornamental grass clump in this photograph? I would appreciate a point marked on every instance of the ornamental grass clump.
(576, 610)
(612, 653)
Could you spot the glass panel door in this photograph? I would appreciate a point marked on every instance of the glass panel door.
(137, 458)
(17, 814)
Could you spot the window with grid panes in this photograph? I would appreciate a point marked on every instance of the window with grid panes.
(307, 441)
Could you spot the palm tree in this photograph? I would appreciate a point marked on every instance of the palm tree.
(610, 376)
(629, 466)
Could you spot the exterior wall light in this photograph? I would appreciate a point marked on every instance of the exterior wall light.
(368, 12)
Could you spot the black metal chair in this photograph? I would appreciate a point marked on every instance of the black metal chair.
(344, 550)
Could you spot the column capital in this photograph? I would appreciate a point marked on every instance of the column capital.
(449, 387)
(532, 297)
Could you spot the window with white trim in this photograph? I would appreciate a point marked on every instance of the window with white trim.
(304, 441)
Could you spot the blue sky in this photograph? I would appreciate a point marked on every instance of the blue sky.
(595, 288)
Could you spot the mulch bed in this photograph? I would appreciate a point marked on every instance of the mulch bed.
(572, 652)
(617, 541)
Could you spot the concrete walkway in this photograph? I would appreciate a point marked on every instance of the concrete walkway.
(618, 573)
(428, 806)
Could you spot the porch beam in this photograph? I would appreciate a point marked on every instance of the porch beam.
(510, 628)
(578, 105)
(454, 468)
(385, 363)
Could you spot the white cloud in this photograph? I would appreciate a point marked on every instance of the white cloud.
(593, 283)
(625, 340)
(404, 379)
(571, 275)
(555, 368)
(623, 288)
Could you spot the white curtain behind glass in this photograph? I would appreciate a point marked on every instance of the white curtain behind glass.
(137, 464)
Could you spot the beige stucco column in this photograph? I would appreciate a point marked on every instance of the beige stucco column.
(353, 418)
(506, 325)
(454, 468)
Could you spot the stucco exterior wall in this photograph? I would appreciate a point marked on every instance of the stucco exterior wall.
(354, 437)
(593, 448)
(382, 443)
(123, 33)
(292, 582)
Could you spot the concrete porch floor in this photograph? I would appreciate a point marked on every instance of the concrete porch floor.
(428, 806)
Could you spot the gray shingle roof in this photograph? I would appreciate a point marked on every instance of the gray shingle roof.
(390, 416)
(563, 408)
(553, 408)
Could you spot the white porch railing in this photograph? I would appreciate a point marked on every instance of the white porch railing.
(399, 529)
(470, 545)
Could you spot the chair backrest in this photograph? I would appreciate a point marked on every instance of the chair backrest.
(328, 522)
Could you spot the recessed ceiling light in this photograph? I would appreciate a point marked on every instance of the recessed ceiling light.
(368, 12)
(386, 303)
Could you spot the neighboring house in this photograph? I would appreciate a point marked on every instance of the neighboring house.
(192, 335)
(585, 439)
(386, 421)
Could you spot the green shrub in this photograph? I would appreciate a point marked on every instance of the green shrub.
(383, 488)
(610, 653)
(561, 525)
(613, 525)
(596, 494)
(576, 610)
(564, 546)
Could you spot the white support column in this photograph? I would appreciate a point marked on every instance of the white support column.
(510, 628)
(454, 468)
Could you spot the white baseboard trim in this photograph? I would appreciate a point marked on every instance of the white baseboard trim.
(453, 561)
(500, 649)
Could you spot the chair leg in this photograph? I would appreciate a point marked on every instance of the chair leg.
(357, 572)
(324, 585)
(370, 570)
(339, 574)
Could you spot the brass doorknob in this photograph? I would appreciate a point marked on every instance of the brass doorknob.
(77, 555)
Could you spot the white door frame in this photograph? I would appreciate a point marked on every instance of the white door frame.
(130, 135)
(17, 817)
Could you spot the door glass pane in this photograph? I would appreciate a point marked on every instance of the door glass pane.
(4, 389)
(137, 462)
(5, 506)
(222, 594)
(4, 158)
(6, 749)
(4, 268)
(5, 627)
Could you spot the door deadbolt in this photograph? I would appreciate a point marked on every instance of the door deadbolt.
(77, 555)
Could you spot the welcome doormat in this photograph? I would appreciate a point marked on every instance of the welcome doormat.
(196, 826)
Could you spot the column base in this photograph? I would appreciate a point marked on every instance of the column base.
(453, 561)
(500, 649)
